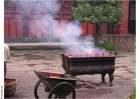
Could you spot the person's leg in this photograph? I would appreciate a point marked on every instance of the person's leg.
(5, 70)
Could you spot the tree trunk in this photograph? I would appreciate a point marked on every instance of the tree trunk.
(97, 34)
(110, 29)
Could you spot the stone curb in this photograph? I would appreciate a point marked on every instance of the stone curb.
(48, 46)
(41, 46)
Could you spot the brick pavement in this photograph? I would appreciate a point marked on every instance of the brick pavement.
(22, 64)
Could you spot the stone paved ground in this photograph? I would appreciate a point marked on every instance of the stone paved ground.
(23, 63)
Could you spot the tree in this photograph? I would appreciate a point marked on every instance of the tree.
(98, 12)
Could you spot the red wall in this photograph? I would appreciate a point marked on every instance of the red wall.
(14, 21)
(123, 27)
(13, 25)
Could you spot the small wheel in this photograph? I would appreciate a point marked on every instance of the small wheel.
(40, 90)
(63, 90)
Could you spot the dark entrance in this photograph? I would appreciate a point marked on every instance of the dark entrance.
(132, 17)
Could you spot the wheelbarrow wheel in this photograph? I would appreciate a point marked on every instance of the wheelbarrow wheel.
(40, 90)
(63, 90)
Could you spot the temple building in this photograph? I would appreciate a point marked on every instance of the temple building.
(27, 19)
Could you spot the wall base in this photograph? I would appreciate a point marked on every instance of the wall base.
(121, 42)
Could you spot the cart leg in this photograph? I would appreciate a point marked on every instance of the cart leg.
(63, 90)
(40, 90)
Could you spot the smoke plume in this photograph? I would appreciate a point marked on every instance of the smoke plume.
(65, 31)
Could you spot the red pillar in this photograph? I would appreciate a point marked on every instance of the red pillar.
(123, 27)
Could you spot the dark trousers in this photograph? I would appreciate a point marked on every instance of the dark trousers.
(5, 70)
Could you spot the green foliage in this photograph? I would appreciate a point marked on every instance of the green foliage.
(105, 46)
(99, 11)
(132, 95)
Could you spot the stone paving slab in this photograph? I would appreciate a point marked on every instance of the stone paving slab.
(23, 63)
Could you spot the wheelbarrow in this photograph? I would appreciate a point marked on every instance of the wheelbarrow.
(54, 86)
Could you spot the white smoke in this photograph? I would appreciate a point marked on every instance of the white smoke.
(65, 31)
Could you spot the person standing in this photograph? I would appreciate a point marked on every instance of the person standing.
(6, 58)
